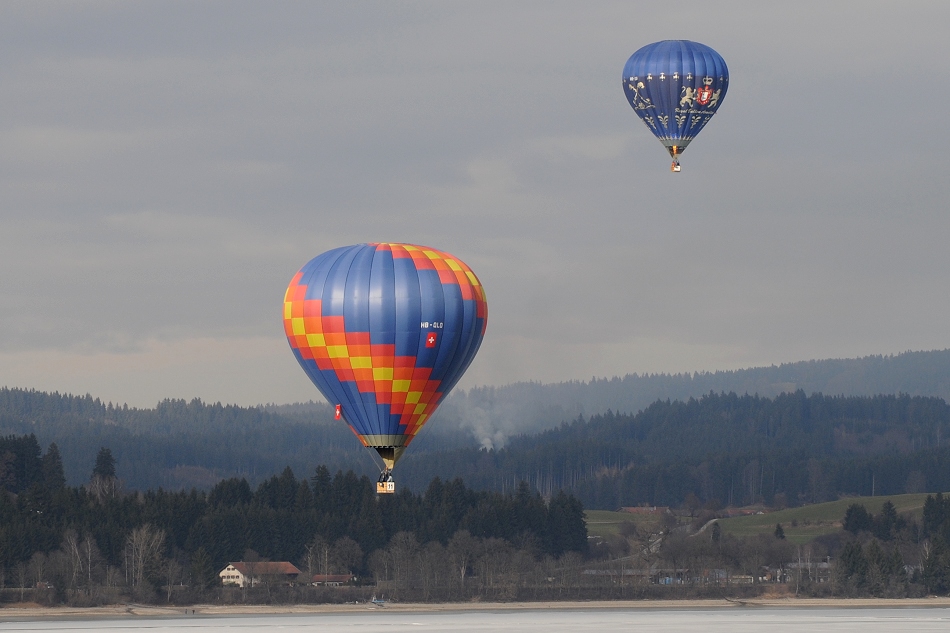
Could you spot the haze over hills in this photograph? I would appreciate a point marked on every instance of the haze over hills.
(722, 449)
(182, 444)
(493, 414)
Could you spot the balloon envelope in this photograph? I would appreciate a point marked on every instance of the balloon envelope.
(675, 87)
(385, 331)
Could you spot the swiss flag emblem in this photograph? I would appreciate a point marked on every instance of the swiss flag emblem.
(430, 339)
(338, 412)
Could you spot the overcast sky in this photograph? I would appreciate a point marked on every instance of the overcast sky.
(168, 166)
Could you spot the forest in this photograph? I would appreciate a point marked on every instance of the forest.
(92, 542)
(150, 504)
(727, 450)
(97, 544)
(724, 449)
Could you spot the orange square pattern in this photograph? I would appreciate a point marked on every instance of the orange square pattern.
(450, 269)
(395, 380)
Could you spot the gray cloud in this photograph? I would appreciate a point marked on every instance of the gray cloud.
(169, 166)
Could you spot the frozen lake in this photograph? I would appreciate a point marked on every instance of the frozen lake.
(738, 620)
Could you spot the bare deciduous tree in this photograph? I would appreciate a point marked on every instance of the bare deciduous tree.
(402, 549)
(316, 558)
(74, 559)
(22, 571)
(143, 550)
(172, 572)
(434, 569)
(346, 555)
(38, 568)
(92, 558)
(462, 551)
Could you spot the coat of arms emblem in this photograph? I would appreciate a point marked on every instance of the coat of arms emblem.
(705, 93)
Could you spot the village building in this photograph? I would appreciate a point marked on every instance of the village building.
(646, 510)
(245, 574)
(331, 580)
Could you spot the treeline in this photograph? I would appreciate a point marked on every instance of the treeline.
(936, 525)
(726, 449)
(890, 555)
(180, 445)
(722, 448)
(81, 540)
(94, 544)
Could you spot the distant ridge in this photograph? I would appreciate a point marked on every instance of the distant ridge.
(182, 444)
(492, 414)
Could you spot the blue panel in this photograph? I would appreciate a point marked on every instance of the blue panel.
(356, 292)
(382, 320)
(370, 413)
(468, 341)
(316, 270)
(358, 419)
(408, 307)
(334, 304)
(382, 299)
(331, 388)
(315, 277)
(454, 322)
(432, 304)
(389, 423)
(356, 319)
(335, 289)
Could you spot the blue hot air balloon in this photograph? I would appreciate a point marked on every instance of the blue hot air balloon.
(675, 86)
(385, 331)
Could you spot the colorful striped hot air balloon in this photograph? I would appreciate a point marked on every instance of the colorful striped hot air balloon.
(385, 331)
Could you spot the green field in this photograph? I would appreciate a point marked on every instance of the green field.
(604, 523)
(800, 525)
(807, 522)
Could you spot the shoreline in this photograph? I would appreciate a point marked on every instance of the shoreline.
(34, 612)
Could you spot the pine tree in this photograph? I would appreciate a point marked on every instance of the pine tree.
(857, 519)
(105, 463)
(886, 522)
(566, 528)
(936, 572)
(853, 563)
(230, 492)
(203, 572)
(104, 484)
(53, 474)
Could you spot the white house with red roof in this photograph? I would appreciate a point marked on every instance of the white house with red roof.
(245, 574)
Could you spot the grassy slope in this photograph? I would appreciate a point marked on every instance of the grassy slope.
(812, 520)
(605, 523)
(816, 520)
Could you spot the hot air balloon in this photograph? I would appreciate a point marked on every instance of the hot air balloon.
(385, 331)
(675, 86)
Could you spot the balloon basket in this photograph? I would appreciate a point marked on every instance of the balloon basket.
(385, 484)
